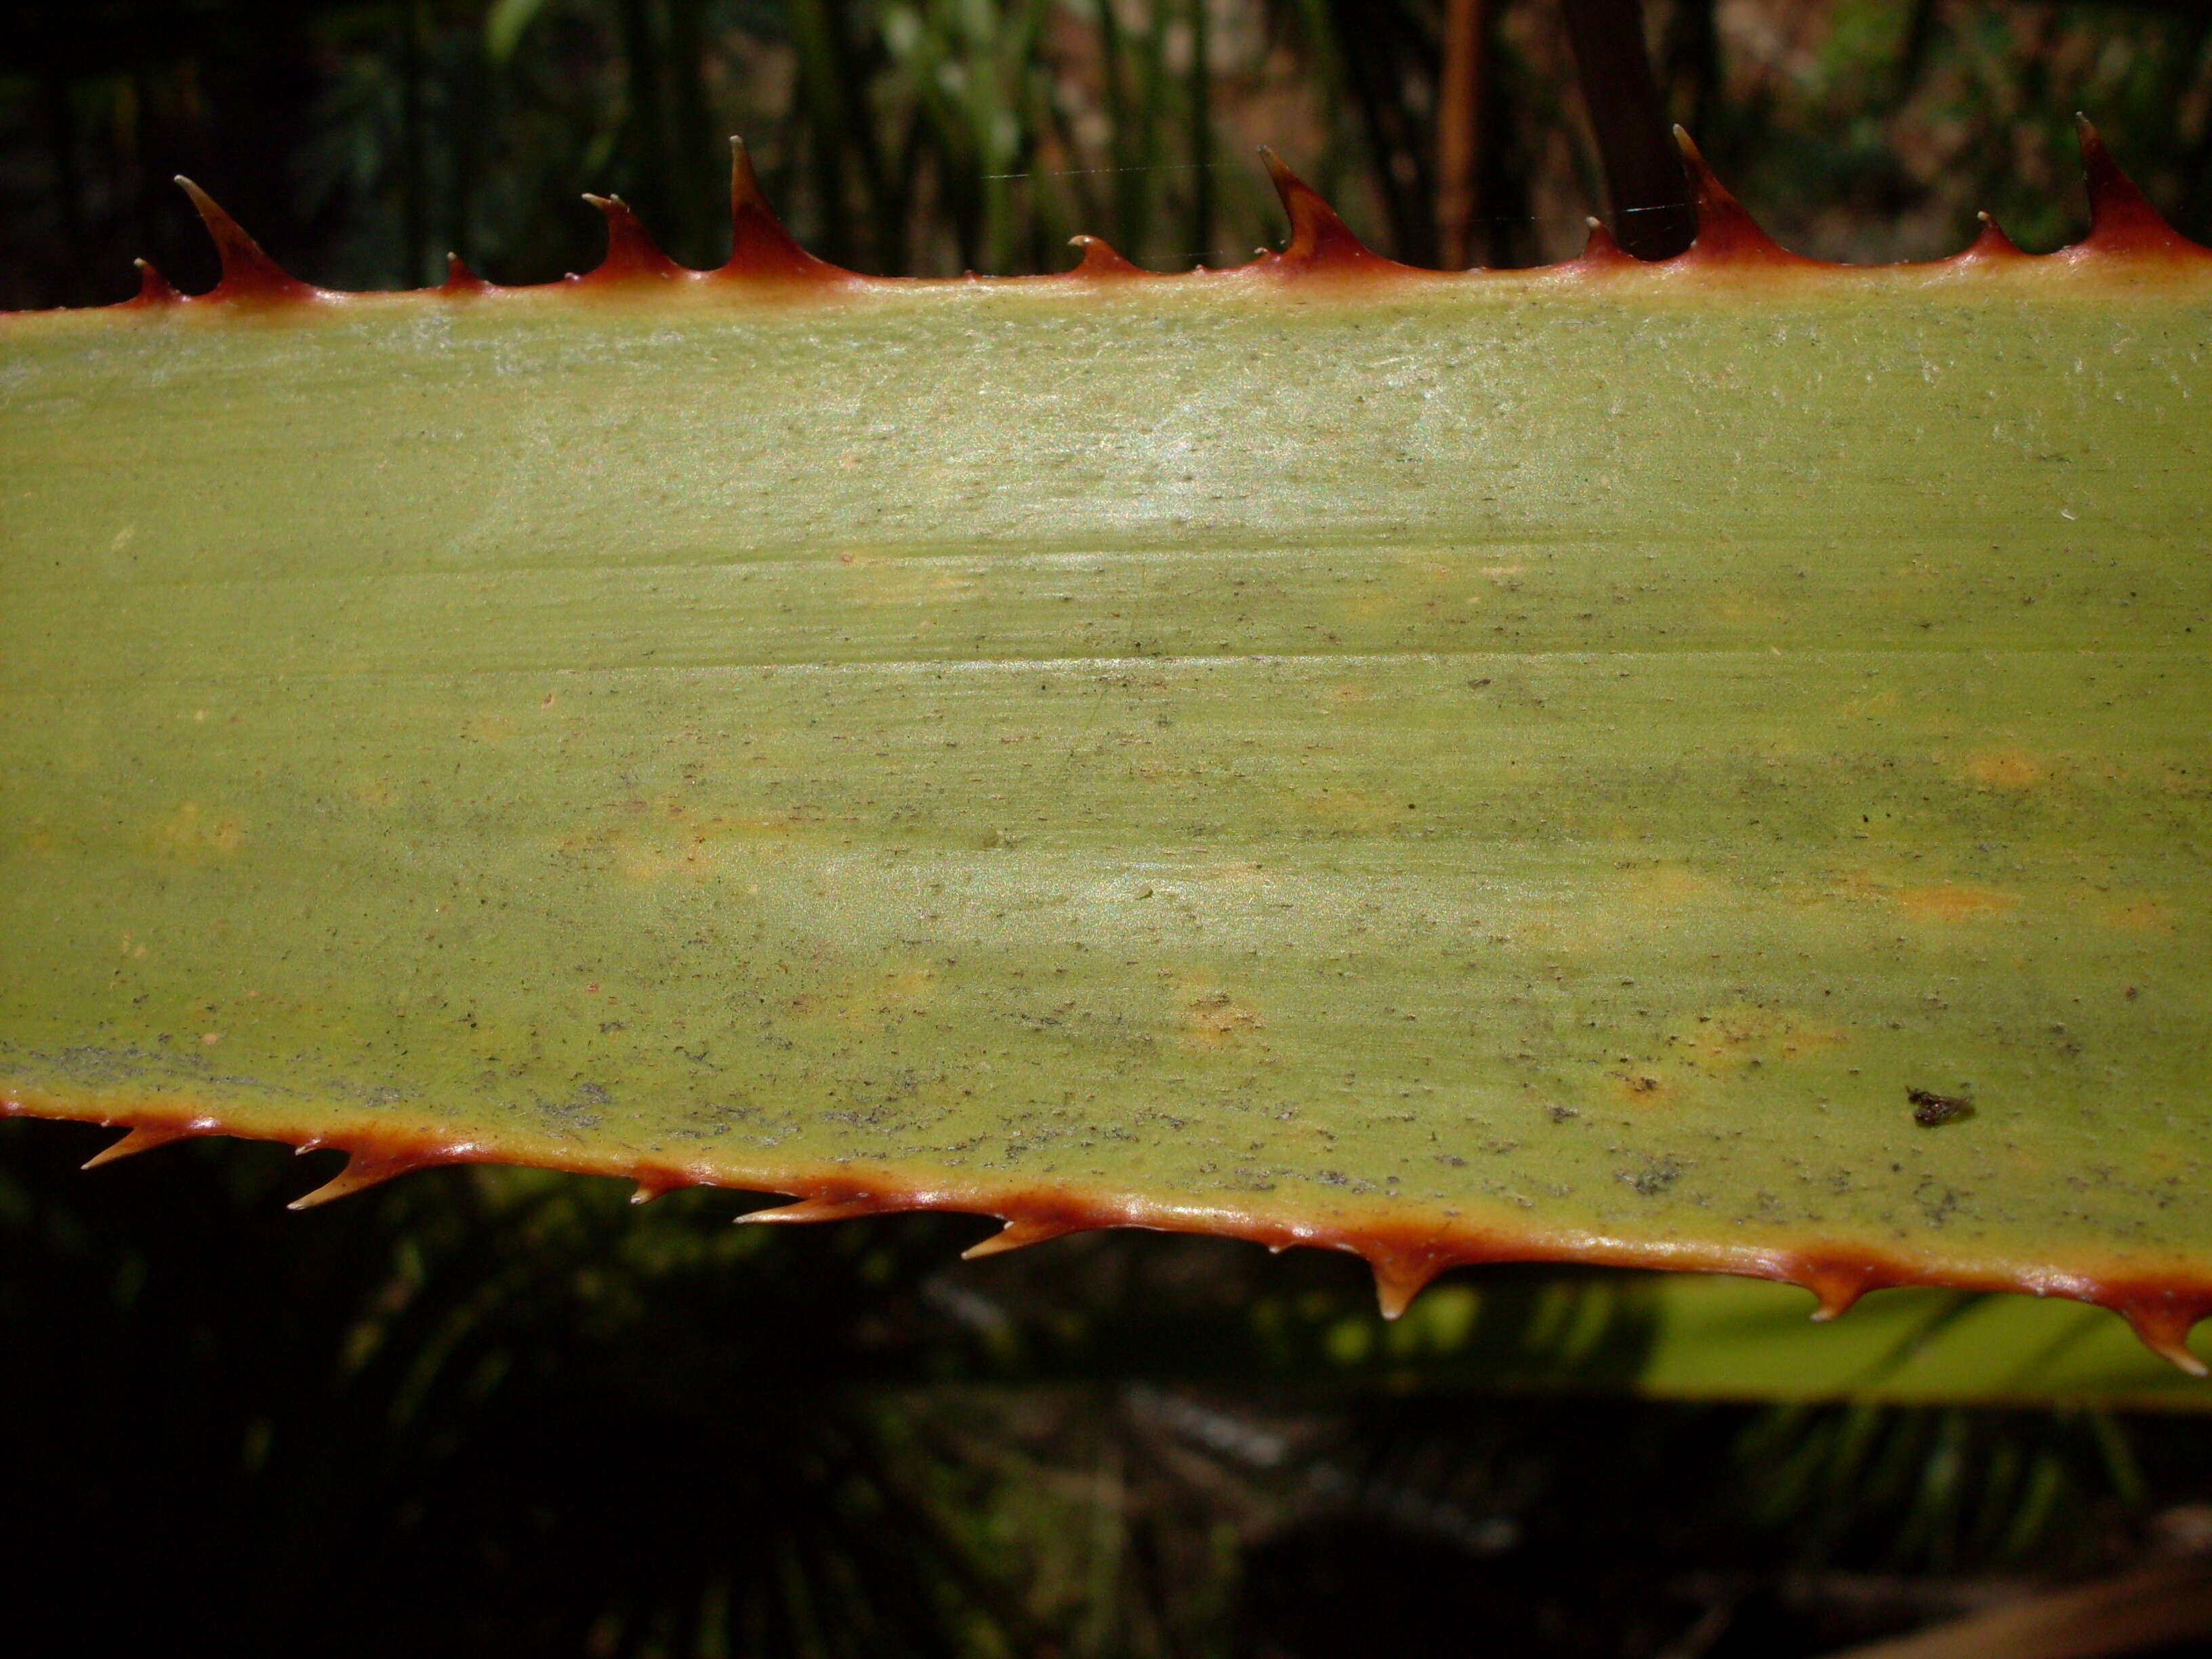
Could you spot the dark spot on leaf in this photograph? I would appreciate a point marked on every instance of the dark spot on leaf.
(1931, 1110)
(1656, 1176)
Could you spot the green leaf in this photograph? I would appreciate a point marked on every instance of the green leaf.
(504, 25)
(1696, 766)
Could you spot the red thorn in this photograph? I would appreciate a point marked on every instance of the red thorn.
(248, 274)
(1100, 259)
(2163, 1324)
(1018, 1235)
(362, 1170)
(759, 245)
(823, 1209)
(145, 1138)
(459, 279)
(1600, 250)
(1838, 1287)
(632, 254)
(1989, 243)
(153, 288)
(2121, 218)
(1727, 235)
(1320, 241)
(1401, 1275)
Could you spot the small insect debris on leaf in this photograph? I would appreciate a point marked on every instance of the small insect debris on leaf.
(1931, 1110)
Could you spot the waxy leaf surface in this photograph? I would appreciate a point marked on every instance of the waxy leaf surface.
(1702, 765)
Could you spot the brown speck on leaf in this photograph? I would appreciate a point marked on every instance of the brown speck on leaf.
(1931, 1110)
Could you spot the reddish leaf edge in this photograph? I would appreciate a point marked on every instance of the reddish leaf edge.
(2126, 234)
(1404, 1244)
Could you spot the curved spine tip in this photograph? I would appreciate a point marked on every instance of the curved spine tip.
(2121, 218)
(2163, 1324)
(1727, 233)
(1100, 259)
(362, 1170)
(821, 1209)
(759, 245)
(1837, 1290)
(1018, 1234)
(143, 1139)
(153, 289)
(248, 272)
(1320, 240)
(647, 1191)
(632, 255)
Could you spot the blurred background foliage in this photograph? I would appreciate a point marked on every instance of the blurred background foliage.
(501, 1412)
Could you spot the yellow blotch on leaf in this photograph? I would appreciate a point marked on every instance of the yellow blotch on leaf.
(191, 833)
(1955, 903)
(871, 1004)
(2140, 916)
(2006, 768)
(1727, 1041)
(1215, 1019)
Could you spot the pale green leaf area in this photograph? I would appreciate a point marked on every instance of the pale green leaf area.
(1543, 766)
(1738, 1338)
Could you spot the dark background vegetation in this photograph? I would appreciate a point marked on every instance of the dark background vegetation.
(492, 1413)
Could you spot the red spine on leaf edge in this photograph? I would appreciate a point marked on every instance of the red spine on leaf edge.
(632, 255)
(2122, 223)
(153, 289)
(1320, 243)
(759, 245)
(370, 1166)
(459, 279)
(1727, 233)
(1601, 252)
(2121, 218)
(1101, 259)
(1990, 245)
(2163, 1320)
(142, 1138)
(249, 276)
